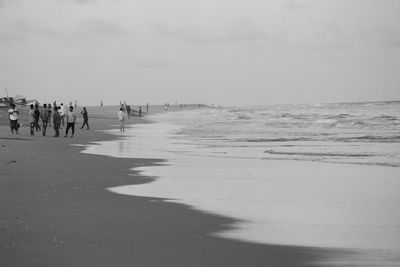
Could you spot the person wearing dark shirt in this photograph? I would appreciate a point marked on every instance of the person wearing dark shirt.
(44, 115)
(37, 117)
(56, 122)
(85, 118)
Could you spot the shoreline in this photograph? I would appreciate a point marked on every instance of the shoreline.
(57, 211)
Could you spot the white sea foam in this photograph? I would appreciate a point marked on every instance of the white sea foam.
(223, 168)
(280, 202)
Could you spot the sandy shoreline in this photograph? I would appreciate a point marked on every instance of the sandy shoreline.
(56, 211)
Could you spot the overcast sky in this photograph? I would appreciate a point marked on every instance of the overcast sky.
(228, 52)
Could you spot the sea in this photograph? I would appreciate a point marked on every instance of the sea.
(356, 133)
(318, 175)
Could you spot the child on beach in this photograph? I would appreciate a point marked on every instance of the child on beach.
(121, 118)
(13, 113)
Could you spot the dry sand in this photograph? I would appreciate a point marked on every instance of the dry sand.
(55, 211)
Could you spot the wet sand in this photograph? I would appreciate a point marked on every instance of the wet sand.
(56, 211)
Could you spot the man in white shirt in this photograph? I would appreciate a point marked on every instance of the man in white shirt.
(62, 113)
(13, 113)
(71, 118)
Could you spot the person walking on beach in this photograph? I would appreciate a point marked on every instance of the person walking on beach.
(62, 114)
(44, 115)
(13, 113)
(128, 111)
(49, 113)
(71, 118)
(37, 117)
(56, 122)
(140, 112)
(85, 118)
(121, 118)
(31, 115)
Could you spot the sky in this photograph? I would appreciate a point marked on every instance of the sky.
(222, 52)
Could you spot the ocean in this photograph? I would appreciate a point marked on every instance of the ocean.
(321, 175)
(356, 133)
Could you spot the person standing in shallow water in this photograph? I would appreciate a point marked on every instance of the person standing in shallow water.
(128, 111)
(71, 118)
(85, 118)
(121, 118)
(56, 122)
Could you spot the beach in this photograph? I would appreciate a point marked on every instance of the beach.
(57, 211)
(217, 133)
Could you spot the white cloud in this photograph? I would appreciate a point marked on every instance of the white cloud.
(3, 3)
(294, 5)
(240, 30)
(21, 30)
(384, 36)
(191, 45)
(96, 27)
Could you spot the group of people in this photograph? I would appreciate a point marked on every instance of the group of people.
(129, 111)
(121, 115)
(58, 115)
(47, 114)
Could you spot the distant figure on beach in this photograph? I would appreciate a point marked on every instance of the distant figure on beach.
(56, 121)
(49, 112)
(13, 113)
(37, 117)
(147, 108)
(62, 114)
(101, 103)
(31, 115)
(140, 112)
(128, 111)
(121, 118)
(165, 107)
(71, 118)
(85, 118)
(44, 115)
